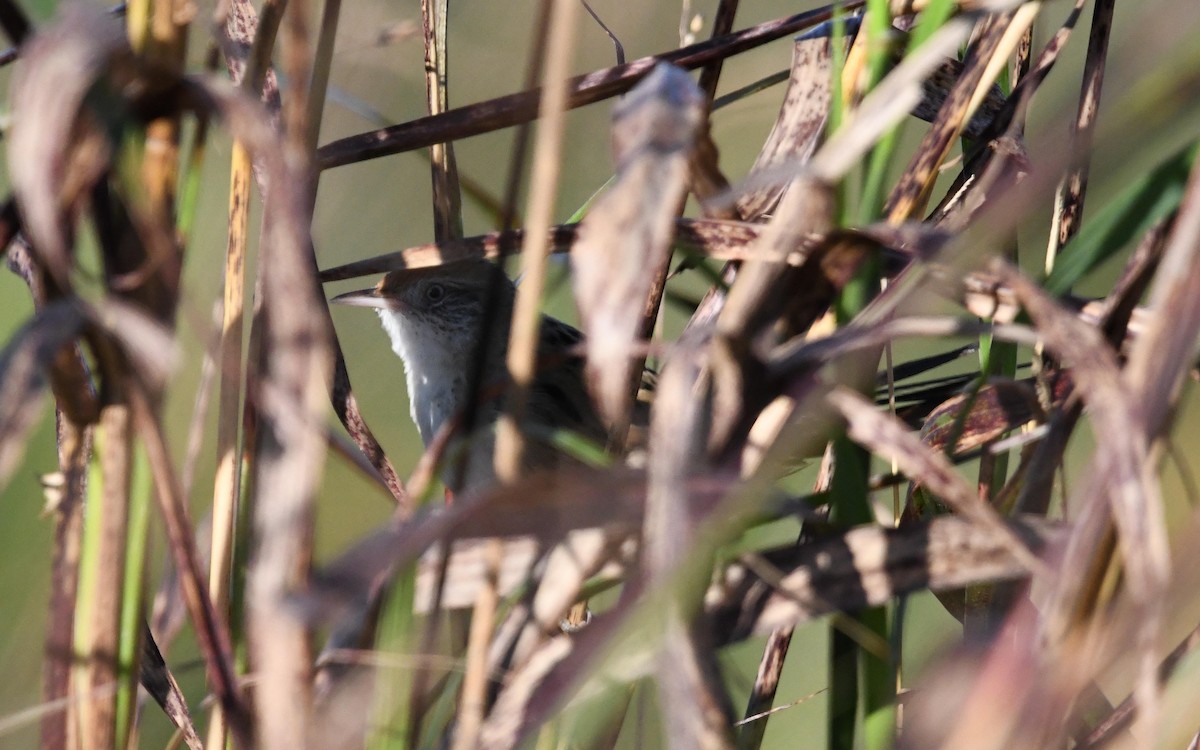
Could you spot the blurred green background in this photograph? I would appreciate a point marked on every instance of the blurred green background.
(384, 205)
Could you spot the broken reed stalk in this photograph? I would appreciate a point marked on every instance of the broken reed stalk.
(524, 336)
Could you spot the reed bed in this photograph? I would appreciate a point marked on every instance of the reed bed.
(891, 299)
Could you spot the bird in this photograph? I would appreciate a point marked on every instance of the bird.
(437, 319)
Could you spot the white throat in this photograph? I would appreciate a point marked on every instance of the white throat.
(435, 370)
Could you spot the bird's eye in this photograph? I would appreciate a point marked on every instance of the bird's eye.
(435, 292)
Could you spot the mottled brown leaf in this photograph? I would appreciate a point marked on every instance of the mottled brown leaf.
(801, 120)
(865, 567)
(998, 407)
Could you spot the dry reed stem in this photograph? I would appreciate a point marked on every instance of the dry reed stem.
(694, 707)
(227, 476)
(515, 109)
(98, 621)
(211, 629)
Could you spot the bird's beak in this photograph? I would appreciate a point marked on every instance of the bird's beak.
(362, 298)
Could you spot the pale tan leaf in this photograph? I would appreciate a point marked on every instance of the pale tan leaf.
(628, 232)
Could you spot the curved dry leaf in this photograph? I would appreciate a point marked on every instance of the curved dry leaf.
(999, 406)
(801, 121)
(24, 367)
(629, 230)
(150, 345)
(56, 149)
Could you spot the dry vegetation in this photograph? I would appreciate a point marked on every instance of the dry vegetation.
(830, 255)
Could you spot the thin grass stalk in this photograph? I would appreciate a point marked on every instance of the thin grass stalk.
(524, 336)
(850, 499)
(98, 602)
(850, 506)
(710, 75)
(133, 598)
(1000, 35)
(447, 195)
(1068, 199)
(74, 446)
(322, 67)
(522, 351)
(227, 479)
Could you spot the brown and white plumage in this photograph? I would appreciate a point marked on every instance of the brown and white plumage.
(435, 319)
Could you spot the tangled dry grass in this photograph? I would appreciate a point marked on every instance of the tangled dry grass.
(840, 245)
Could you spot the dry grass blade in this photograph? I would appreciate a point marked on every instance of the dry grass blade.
(1001, 139)
(1122, 462)
(866, 567)
(629, 229)
(911, 191)
(160, 683)
(1068, 200)
(753, 725)
(695, 706)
